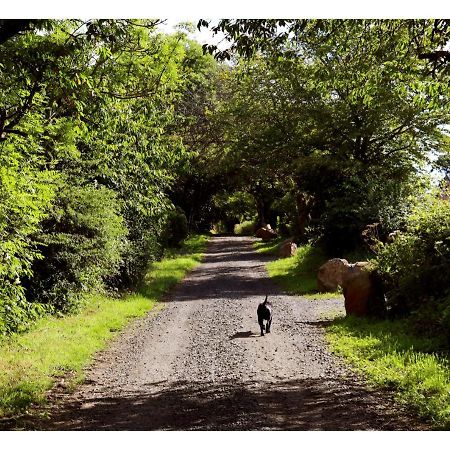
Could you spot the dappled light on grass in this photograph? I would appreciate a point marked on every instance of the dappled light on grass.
(392, 357)
(297, 274)
(268, 247)
(164, 274)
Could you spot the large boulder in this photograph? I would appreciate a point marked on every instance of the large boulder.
(265, 233)
(330, 274)
(287, 249)
(363, 291)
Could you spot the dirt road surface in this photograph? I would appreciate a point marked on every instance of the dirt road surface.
(200, 364)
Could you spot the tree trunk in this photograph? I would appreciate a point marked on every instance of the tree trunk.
(261, 210)
(304, 204)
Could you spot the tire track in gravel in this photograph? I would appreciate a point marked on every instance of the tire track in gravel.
(200, 364)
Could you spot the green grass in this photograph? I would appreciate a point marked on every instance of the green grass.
(56, 347)
(296, 274)
(390, 356)
(268, 247)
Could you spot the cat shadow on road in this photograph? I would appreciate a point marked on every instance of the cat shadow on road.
(244, 334)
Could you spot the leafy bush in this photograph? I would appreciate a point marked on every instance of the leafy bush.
(16, 314)
(82, 242)
(246, 228)
(287, 216)
(176, 227)
(24, 200)
(361, 200)
(143, 247)
(416, 265)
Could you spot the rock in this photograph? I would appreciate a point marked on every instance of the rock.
(363, 291)
(287, 249)
(330, 274)
(266, 234)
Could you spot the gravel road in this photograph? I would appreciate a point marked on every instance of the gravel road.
(198, 363)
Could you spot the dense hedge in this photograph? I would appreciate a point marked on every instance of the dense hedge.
(415, 267)
(81, 242)
(176, 227)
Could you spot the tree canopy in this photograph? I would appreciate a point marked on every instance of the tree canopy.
(116, 139)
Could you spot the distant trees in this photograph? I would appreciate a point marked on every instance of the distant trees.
(340, 113)
(342, 121)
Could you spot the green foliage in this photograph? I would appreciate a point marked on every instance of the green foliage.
(287, 223)
(341, 111)
(101, 107)
(423, 38)
(143, 246)
(233, 208)
(246, 228)
(392, 357)
(415, 266)
(82, 242)
(176, 228)
(353, 204)
(25, 196)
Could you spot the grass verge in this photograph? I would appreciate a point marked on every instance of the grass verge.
(296, 274)
(30, 362)
(268, 247)
(386, 352)
(390, 356)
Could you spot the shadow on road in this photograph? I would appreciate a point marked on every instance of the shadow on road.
(234, 267)
(311, 404)
(244, 334)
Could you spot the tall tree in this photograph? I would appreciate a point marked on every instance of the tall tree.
(345, 110)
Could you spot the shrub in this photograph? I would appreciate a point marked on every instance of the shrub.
(246, 228)
(16, 313)
(176, 228)
(360, 198)
(221, 227)
(82, 242)
(143, 247)
(24, 201)
(416, 266)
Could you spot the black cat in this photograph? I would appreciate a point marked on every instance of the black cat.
(264, 312)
